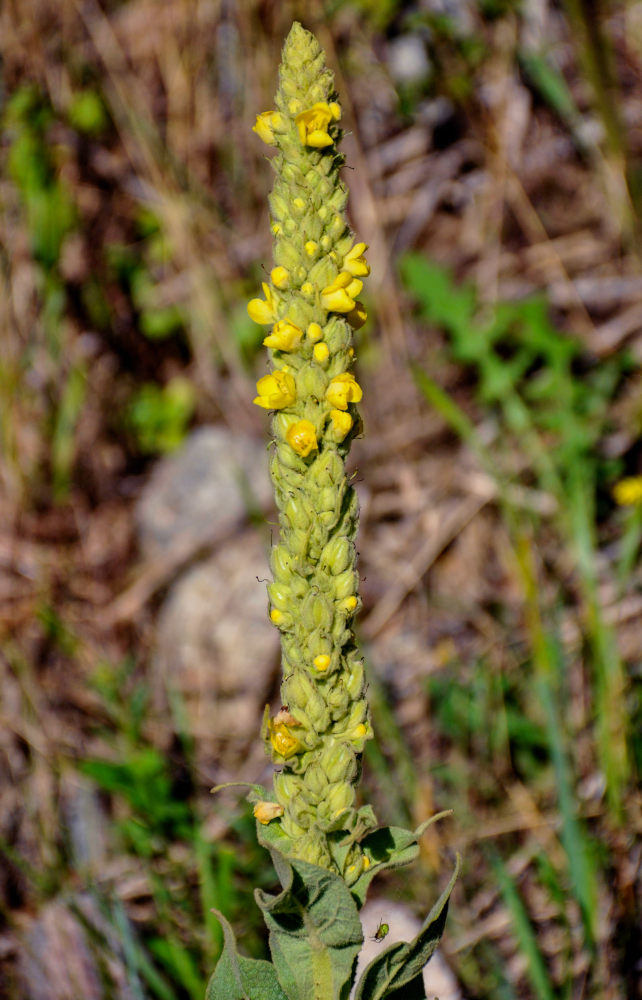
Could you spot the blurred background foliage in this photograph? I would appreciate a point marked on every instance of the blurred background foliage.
(497, 155)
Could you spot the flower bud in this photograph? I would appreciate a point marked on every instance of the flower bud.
(337, 554)
(316, 781)
(340, 763)
(339, 798)
(265, 812)
(344, 585)
(280, 595)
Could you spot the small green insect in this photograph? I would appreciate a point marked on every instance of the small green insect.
(381, 931)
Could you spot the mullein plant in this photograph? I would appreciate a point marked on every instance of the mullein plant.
(325, 847)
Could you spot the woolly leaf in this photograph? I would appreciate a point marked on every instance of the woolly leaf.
(240, 978)
(315, 932)
(399, 966)
(389, 847)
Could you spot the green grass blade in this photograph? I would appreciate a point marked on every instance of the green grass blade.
(537, 972)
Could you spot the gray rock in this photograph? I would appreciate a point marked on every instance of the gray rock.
(408, 60)
(202, 493)
(215, 645)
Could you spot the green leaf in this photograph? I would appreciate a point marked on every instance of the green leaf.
(442, 302)
(388, 847)
(397, 968)
(240, 978)
(315, 932)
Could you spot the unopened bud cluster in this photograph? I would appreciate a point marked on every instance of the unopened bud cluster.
(311, 307)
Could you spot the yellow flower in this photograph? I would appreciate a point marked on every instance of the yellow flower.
(339, 296)
(282, 740)
(285, 336)
(321, 352)
(265, 125)
(321, 662)
(355, 262)
(357, 317)
(343, 389)
(280, 276)
(311, 248)
(267, 811)
(628, 492)
(276, 390)
(312, 124)
(314, 332)
(349, 603)
(262, 311)
(341, 422)
(276, 616)
(301, 437)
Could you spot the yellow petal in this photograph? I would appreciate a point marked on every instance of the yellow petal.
(338, 301)
(341, 422)
(318, 139)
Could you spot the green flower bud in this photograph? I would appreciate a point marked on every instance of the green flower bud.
(345, 584)
(337, 554)
(339, 798)
(312, 382)
(317, 612)
(316, 780)
(340, 763)
(280, 595)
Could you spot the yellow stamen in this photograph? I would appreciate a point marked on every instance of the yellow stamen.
(321, 662)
